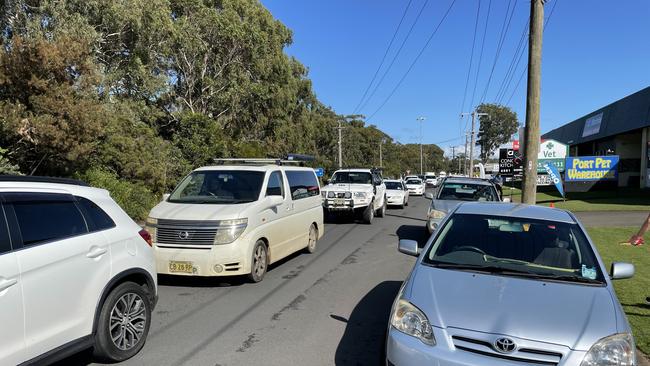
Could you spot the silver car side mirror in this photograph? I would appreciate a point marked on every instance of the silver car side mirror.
(620, 271)
(428, 196)
(409, 247)
(506, 199)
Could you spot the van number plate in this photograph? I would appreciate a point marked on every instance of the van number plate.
(181, 267)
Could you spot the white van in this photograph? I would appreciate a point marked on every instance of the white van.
(237, 219)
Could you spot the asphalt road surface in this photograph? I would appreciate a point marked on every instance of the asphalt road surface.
(326, 308)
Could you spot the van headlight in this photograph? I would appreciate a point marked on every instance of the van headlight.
(615, 350)
(151, 224)
(410, 320)
(230, 230)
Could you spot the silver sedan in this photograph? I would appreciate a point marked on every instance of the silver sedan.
(504, 284)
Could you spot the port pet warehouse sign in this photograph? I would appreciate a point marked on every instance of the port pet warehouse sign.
(591, 168)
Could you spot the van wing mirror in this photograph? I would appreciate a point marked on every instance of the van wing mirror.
(273, 201)
(620, 271)
(409, 247)
(166, 196)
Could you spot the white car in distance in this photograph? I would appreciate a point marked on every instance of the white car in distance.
(396, 193)
(415, 186)
(237, 219)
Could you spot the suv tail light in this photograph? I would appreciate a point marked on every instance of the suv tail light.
(146, 236)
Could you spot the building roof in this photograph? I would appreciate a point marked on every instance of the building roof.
(516, 210)
(627, 114)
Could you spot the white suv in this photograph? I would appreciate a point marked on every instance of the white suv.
(237, 219)
(75, 272)
(361, 191)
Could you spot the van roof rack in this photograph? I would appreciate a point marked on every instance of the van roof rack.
(256, 161)
(39, 179)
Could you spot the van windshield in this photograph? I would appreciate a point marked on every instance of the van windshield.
(219, 187)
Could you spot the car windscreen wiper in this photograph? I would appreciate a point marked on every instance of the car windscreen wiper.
(567, 278)
(488, 269)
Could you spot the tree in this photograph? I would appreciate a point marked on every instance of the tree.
(496, 128)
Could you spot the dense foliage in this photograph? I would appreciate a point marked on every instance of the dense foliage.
(496, 128)
(133, 94)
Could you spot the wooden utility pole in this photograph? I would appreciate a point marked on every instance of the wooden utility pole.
(465, 157)
(531, 131)
(473, 133)
(381, 160)
(340, 128)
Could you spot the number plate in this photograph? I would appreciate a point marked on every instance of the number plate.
(339, 201)
(181, 267)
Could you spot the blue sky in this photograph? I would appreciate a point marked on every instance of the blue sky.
(595, 52)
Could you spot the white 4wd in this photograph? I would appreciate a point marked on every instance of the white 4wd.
(361, 191)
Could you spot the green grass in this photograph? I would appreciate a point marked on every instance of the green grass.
(621, 200)
(632, 292)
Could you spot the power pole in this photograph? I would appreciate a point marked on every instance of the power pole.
(474, 114)
(381, 161)
(465, 158)
(531, 131)
(453, 156)
(421, 120)
(340, 128)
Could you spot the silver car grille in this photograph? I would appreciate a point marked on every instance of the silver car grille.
(186, 232)
(526, 356)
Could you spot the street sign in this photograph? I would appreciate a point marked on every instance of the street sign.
(552, 152)
(319, 172)
(515, 145)
(544, 180)
(510, 162)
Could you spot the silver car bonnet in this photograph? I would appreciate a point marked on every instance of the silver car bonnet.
(566, 314)
(445, 206)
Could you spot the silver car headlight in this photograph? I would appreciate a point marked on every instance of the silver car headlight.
(615, 350)
(230, 230)
(360, 194)
(410, 320)
(437, 215)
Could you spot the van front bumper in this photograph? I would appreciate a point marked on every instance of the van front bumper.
(215, 260)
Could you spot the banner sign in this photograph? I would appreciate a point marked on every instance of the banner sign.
(555, 176)
(591, 168)
(510, 162)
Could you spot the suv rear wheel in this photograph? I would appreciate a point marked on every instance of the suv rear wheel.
(123, 323)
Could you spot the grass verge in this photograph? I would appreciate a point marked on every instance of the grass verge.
(621, 200)
(632, 292)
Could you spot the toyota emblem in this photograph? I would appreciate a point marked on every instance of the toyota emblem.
(183, 235)
(504, 345)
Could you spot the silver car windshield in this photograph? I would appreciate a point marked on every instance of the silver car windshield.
(515, 247)
(467, 192)
(219, 187)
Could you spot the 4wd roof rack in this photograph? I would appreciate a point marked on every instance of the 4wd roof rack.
(255, 161)
(39, 179)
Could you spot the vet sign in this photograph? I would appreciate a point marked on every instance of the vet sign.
(552, 152)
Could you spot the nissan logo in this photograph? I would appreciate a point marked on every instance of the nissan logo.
(183, 235)
(504, 345)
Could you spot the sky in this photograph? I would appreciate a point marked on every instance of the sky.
(594, 53)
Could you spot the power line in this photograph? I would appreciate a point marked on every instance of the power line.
(399, 50)
(390, 44)
(469, 69)
(502, 37)
(478, 69)
(414, 61)
(523, 72)
(514, 63)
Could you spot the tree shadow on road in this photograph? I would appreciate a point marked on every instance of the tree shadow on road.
(365, 333)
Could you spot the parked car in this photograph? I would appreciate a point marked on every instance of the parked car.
(410, 177)
(430, 179)
(396, 193)
(415, 186)
(453, 192)
(231, 220)
(75, 272)
(358, 191)
(504, 284)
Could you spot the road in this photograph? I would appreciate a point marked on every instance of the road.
(326, 308)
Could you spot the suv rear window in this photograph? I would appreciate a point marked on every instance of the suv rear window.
(303, 184)
(45, 217)
(96, 218)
